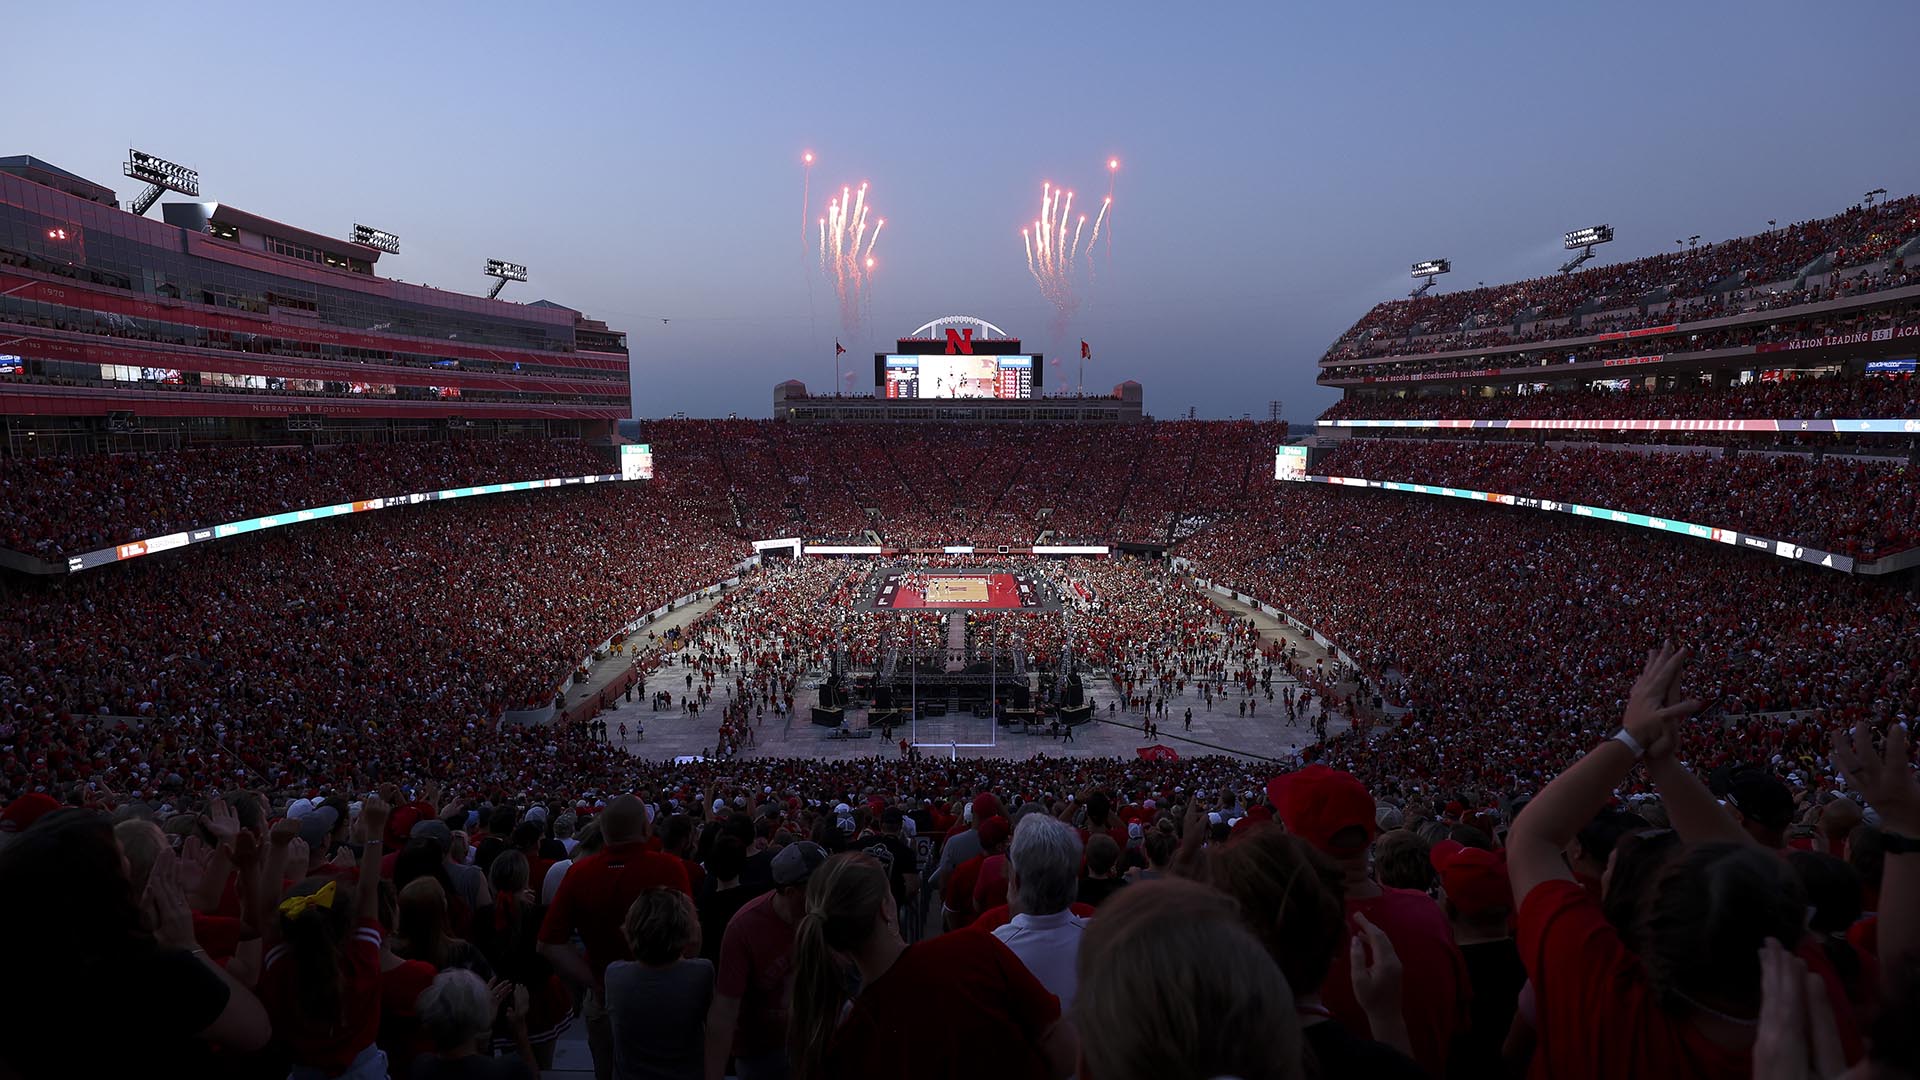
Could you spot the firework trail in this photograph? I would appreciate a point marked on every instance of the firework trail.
(846, 251)
(806, 193)
(1058, 245)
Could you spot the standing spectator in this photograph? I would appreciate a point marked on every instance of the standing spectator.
(321, 980)
(1332, 811)
(1688, 1002)
(996, 1020)
(592, 901)
(457, 1011)
(1102, 880)
(753, 987)
(1478, 899)
(1044, 934)
(1176, 989)
(720, 894)
(82, 945)
(1291, 897)
(659, 1000)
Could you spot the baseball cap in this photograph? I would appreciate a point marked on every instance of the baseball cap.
(994, 831)
(1317, 803)
(797, 862)
(1475, 879)
(1762, 797)
(315, 826)
(22, 812)
(432, 829)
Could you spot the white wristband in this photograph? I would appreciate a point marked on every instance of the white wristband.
(1626, 739)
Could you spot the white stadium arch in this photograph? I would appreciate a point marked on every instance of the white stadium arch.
(945, 321)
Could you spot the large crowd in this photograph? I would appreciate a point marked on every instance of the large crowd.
(942, 484)
(1822, 398)
(1694, 278)
(258, 801)
(1864, 508)
(64, 504)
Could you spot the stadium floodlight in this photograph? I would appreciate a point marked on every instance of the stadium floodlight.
(161, 176)
(1582, 240)
(376, 238)
(506, 272)
(1875, 194)
(1429, 269)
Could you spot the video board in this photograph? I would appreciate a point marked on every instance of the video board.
(934, 377)
(636, 461)
(1290, 463)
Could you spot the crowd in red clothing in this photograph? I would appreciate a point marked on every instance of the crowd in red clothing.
(1494, 627)
(285, 835)
(1858, 397)
(1857, 236)
(62, 505)
(1866, 508)
(939, 484)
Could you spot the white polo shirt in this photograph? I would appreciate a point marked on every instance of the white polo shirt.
(1048, 945)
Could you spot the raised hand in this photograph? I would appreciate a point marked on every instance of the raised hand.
(284, 832)
(1375, 967)
(1797, 1038)
(1883, 777)
(221, 821)
(1650, 705)
(165, 903)
(373, 816)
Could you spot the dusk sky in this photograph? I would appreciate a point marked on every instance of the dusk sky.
(1281, 165)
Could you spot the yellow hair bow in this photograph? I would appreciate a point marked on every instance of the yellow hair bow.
(295, 906)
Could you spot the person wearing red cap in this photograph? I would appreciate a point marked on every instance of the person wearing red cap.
(958, 902)
(1478, 898)
(1332, 811)
(964, 843)
(22, 812)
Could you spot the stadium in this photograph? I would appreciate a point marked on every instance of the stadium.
(388, 687)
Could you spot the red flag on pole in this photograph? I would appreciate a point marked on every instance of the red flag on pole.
(1086, 351)
(839, 348)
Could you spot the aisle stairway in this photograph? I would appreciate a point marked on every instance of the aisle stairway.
(956, 640)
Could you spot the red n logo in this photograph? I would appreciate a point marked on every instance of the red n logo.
(960, 341)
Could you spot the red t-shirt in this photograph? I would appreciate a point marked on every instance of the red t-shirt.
(756, 968)
(1596, 1014)
(990, 888)
(959, 890)
(992, 1017)
(326, 1042)
(1435, 989)
(594, 896)
(401, 1034)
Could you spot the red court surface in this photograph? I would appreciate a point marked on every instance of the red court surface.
(937, 590)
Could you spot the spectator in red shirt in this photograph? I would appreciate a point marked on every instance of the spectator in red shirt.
(1172, 987)
(321, 980)
(959, 895)
(1292, 899)
(996, 1020)
(592, 901)
(754, 984)
(1332, 811)
(1688, 1004)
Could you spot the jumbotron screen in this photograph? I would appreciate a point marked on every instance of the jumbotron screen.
(935, 376)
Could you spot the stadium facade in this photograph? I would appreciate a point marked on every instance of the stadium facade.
(215, 325)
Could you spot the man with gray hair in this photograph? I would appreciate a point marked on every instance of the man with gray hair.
(1043, 866)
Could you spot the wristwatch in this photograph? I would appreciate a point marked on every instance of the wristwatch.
(1896, 844)
(1626, 739)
